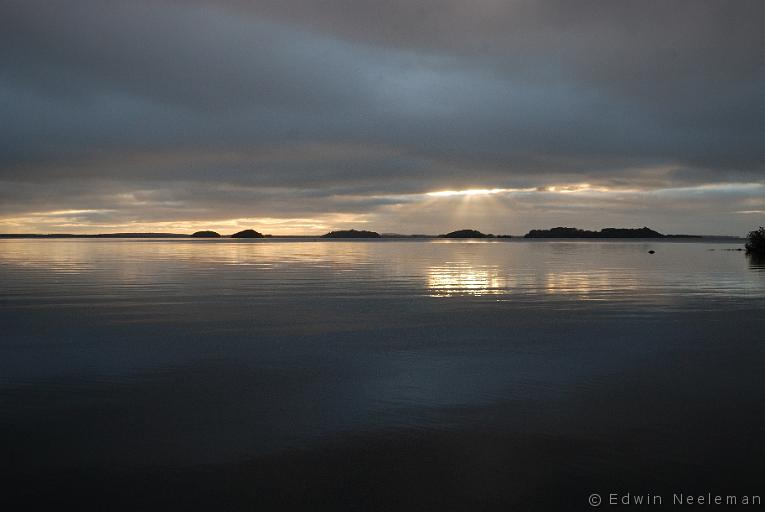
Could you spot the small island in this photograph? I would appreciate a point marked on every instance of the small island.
(351, 233)
(561, 232)
(466, 233)
(205, 234)
(248, 233)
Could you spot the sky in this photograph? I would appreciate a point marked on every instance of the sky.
(406, 116)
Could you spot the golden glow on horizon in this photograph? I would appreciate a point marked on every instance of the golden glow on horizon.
(77, 221)
(440, 210)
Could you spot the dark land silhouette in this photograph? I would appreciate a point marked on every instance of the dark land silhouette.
(248, 233)
(561, 232)
(466, 233)
(755, 237)
(351, 233)
(755, 242)
(205, 234)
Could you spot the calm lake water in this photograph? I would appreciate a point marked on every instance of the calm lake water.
(378, 375)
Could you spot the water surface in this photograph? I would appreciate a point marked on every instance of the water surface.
(378, 375)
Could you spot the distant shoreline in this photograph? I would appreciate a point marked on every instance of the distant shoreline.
(146, 236)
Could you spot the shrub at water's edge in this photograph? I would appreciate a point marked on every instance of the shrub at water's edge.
(351, 233)
(755, 242)
(205, 234)
(248, 233)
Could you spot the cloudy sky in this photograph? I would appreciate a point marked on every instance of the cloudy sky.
(414, 116)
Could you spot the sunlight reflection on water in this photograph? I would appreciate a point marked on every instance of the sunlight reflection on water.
(190, 354)
(589, 271)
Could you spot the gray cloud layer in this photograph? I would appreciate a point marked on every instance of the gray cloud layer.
(284, 108)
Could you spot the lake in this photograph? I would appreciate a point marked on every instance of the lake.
(388, 375)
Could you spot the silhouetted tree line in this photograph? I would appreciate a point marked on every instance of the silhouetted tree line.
(351, 233)
(561, 232)
(753, 245)
(247, 233)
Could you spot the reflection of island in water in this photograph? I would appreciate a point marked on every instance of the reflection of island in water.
(756, 261)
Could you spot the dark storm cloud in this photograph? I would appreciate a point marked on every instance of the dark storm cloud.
(304, 106)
